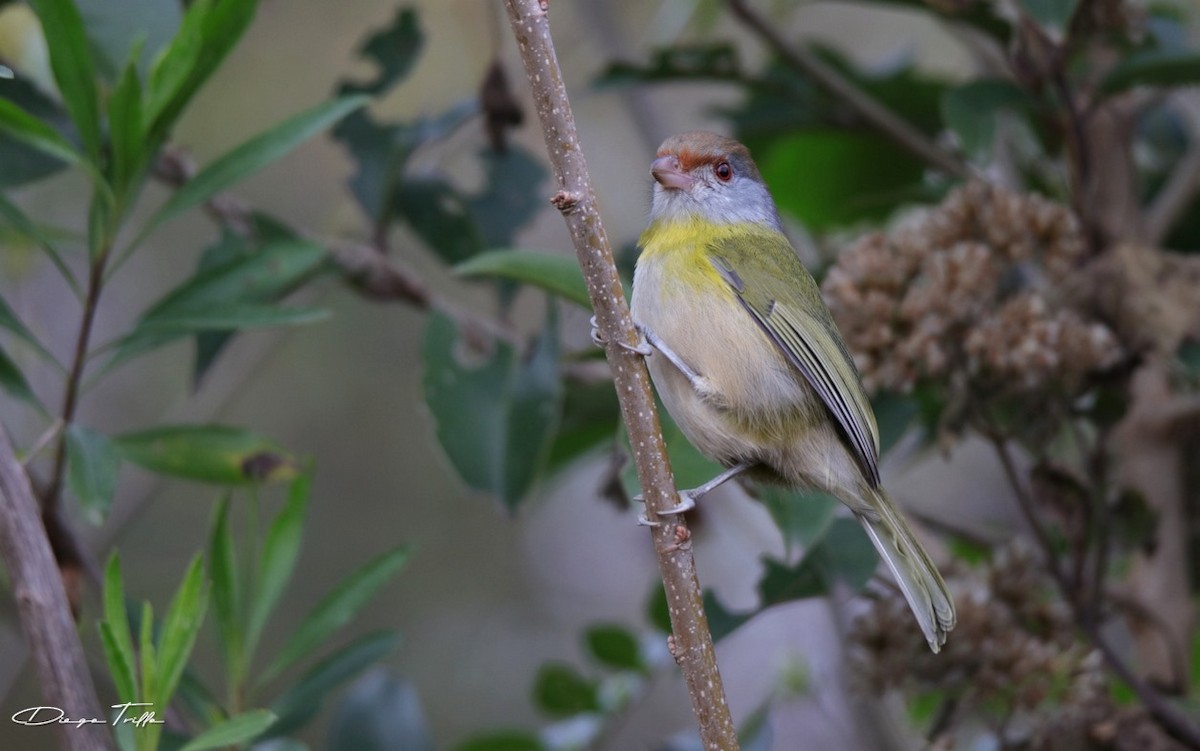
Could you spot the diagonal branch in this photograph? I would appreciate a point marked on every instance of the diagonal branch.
(44, 610)
(880, 118)
(692, 643)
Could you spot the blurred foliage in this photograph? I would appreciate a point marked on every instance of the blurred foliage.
(509, 405)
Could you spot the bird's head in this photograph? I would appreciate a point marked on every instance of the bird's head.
(702, 175)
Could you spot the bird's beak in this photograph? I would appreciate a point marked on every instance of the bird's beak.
(669, 174)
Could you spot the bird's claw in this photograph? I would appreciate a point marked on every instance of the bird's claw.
(641, 348)
(687, 502)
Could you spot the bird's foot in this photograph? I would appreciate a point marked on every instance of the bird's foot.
(641, 348)
(687, 502)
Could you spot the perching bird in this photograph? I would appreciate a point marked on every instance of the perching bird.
(747, 358)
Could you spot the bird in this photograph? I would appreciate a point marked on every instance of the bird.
(748, 361)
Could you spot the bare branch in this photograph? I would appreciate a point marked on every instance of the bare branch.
(885, 121)
(693, 646)
(44, 610)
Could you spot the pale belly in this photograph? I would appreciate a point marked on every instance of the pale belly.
(755, 406)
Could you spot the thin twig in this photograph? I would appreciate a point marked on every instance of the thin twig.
(693, 646)
(1174, 722)
(808, 64)
(45, 613)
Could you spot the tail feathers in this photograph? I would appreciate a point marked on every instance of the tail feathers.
(915, 573)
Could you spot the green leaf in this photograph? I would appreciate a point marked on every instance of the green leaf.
(222, 572)
(71, 61)
(380, 712)
(802, 517)
(13, 381)
(210, 453)
(92, 464)
(561, 691)
(394, 49)
(120, 665)
(224, 294)
(894, 413)
(658, 612)
(279, 555)
(230, 317)
(1053, 14)
(510, 197)
(722, 621)
(31, 131)
(232, 732)
(123, 658)
(381, 152)
(22, 163)
(971, 111)
(337, 609)
(253, 155)
(755, 733)
(1158, 67)
(861, 175)
(440, 215)
(129, 154)
(210, 29)
(557, 274)
(591, 418)
(179, 629)
(25, 227)
(495, 421)
(505, 740)
(297, 705)
(844, 553)
(615, 647)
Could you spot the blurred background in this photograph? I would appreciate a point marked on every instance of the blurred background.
(495, 589)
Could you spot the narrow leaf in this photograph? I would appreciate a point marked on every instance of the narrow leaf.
(8, 319)
(13, 381)
(232, 732)
(299, 703)
(227, 295)
(511, 740)
(557, 274)
(336, 610)
(115, 615)
(222, 572)
(210, 453)
(92, 464)
(31, 131)
(71, 61)
(279, 555)
(129, 148)
(253, 155)
(226, 318)
(210, 29)
(179, 629)
(1162, 67)
(120, 666)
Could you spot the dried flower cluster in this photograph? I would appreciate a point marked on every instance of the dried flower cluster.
(1013, 665)
(967, 288)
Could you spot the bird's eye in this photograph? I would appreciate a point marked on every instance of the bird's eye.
(724, 171)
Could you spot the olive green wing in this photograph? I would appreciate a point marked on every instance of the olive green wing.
(776, 290)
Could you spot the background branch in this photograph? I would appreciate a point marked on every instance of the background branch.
(45, 614)
(693, 646)
(882, 119)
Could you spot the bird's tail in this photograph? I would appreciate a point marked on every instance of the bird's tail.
(915, 573)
